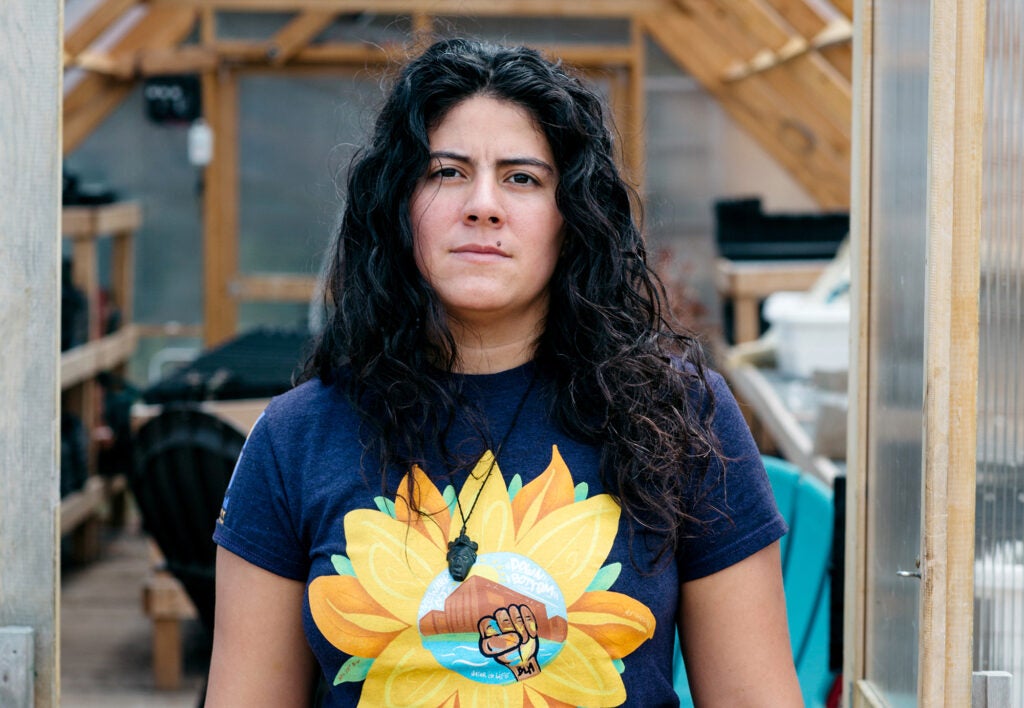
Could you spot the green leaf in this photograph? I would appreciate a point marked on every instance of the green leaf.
(582, 489)
(605, 577)
(619, 665)
(514, 486)
(354, 670)
(343, 565)
(386, 506)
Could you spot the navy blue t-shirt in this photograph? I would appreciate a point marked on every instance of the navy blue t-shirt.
(563, 606)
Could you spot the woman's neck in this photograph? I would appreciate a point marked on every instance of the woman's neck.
(490, 359)
(491, 352)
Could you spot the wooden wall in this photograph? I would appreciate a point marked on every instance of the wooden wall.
(30, 154)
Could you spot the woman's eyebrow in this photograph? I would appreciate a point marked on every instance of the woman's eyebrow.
(504, 162)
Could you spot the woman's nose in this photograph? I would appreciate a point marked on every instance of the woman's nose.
(483, 206)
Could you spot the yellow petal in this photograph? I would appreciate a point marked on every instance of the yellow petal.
(429, 513)
(581, 675)
(615, 621)
(406, 674)
(551, 490)
(394, 564)
(533, 699)
(481, 695)
(571, 543)
(349, 618)
(490, 520)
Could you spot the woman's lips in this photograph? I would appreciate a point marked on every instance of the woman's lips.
(477, 249)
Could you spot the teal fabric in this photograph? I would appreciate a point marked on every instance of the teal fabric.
(806, 504)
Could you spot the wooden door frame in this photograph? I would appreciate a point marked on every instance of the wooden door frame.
(955, 134)
(224, 288)
(30, 223)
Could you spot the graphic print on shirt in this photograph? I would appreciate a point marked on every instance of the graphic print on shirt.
(534, 622)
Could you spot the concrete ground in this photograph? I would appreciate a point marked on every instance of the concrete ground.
(105, 641)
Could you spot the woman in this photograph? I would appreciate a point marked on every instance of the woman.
(506, 480)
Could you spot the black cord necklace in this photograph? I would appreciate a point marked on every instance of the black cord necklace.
(462, 551)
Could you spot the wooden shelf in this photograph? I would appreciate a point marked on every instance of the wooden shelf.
(78, 507)
(86, 361)
(88, 222)
(84, 227)
(747, 283)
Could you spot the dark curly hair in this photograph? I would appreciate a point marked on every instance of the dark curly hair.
(618, 374)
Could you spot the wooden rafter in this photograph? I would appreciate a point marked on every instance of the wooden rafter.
(95, 24)
(805, 91)
(97, 95)
(297, 34)
(806, 20)
(148, 62)
(806, 82)
(777, 124)
(492, 8)
(800, 16)
(845, 7)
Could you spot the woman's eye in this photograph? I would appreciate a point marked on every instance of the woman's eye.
(445, 172)
(522, 178)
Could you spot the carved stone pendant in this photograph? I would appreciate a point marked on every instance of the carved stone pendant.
(461, 557)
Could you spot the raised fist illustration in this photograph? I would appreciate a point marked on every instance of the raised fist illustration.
(509, 636)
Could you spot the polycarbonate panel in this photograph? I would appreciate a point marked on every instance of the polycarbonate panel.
(297, 135)
(898, 233)
(999, 566)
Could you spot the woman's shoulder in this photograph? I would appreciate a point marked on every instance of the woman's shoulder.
(700, 380)
(308, 403)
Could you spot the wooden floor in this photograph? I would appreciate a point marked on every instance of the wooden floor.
(105, 637)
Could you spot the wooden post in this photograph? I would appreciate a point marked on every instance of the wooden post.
(857, 440)
(955, 130)
(220, 197)
(30, 248)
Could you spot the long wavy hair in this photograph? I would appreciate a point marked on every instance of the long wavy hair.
(618, 375)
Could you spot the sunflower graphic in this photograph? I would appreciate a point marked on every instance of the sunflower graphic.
(533, 624)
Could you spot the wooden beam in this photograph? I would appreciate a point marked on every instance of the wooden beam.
(78, 38)
(359, 55)
(478, 8)
(30, 64)
(799, 15)
(148, 62)
(781, 126)
(845, 7)
(838, 33)
(776, 125)
(422, 31)
(220, 208)
(104, 64)
(337, 53)
(175, 60)
(840, 56)
(95, 97)
(862, 332)
(636, 108)
(955, 149)
(761, 23)
(297, 34)
(274, 287)
(754, 30)
(809, 23)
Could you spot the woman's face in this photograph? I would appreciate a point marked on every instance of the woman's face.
(486, 229)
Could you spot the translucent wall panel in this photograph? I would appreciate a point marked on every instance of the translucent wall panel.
(140, 160)
(999, 568)
(297, 135)
(898, 193)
